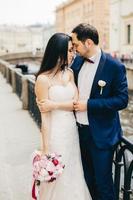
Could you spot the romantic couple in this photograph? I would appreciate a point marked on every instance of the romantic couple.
(79, 96)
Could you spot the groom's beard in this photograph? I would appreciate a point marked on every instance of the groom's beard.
(87, 51)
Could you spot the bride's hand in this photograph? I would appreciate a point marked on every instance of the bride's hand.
(44, 152)
(80, 106)
(46, 105)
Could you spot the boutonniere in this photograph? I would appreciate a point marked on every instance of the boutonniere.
(101, 83)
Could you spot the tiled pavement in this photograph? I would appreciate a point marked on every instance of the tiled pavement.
(19, 136)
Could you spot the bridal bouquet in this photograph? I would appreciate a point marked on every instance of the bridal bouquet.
(47, 167)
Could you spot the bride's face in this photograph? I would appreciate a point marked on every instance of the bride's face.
(70, 52)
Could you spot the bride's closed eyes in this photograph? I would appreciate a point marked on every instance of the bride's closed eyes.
(71, 50)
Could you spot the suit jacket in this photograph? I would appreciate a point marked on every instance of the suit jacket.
(103, 109)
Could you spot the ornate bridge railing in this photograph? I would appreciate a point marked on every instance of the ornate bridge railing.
(123, 170)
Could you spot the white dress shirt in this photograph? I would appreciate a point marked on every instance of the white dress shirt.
(85, 81)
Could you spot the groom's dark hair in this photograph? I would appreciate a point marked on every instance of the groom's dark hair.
(86, 31)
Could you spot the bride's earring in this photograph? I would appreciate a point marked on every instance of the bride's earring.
(58, 61)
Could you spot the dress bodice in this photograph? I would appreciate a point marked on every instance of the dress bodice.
(62, 92)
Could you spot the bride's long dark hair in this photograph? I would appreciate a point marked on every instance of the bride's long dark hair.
(56, 53)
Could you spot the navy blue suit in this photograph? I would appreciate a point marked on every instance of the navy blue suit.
(97, 141)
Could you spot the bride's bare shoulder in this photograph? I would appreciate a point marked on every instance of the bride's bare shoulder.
(42, 82)
(70, 73)
(42, 78)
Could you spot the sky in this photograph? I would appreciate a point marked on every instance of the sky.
(26, 12)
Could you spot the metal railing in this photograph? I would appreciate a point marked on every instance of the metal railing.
(18, 80)
(123, 165)
(9, 76)
(32, 106)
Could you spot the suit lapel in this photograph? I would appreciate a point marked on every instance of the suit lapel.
(98, 72)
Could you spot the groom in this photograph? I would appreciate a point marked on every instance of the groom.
(103, 91)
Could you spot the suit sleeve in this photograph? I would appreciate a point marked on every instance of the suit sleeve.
(117, 101)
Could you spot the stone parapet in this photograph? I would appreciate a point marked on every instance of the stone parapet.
(17, 80)
(23, 56)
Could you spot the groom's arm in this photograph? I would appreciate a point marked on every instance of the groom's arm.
(118, 101)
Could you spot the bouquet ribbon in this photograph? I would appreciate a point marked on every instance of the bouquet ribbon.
(33, 191)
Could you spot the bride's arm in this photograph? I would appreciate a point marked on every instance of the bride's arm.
(41, 91)
(48, 105)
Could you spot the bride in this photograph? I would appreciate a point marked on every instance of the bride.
(56, 88)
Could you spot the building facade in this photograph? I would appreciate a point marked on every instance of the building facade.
(121, 27)
(94, 12)
(48, 31)
(24, 38)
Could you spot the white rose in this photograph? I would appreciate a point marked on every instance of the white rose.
(43, 172)
(101, 83)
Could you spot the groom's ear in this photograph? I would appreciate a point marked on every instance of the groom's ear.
(88, 43)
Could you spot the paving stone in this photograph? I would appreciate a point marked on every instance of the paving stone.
(19, 136)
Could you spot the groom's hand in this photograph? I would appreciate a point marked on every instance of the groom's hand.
(80, 106)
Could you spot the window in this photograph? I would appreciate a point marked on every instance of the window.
(128, 34)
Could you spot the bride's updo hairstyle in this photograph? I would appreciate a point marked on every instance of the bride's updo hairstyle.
(55, 53)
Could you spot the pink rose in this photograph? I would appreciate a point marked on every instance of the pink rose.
(36, 158)
(55, 162)
(52, 179)
(50, 173)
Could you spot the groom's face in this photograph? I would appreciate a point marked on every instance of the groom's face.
(79, 46)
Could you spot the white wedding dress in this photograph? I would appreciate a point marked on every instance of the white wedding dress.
(64, 140)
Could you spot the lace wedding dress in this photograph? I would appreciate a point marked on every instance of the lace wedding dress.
(64, 140)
